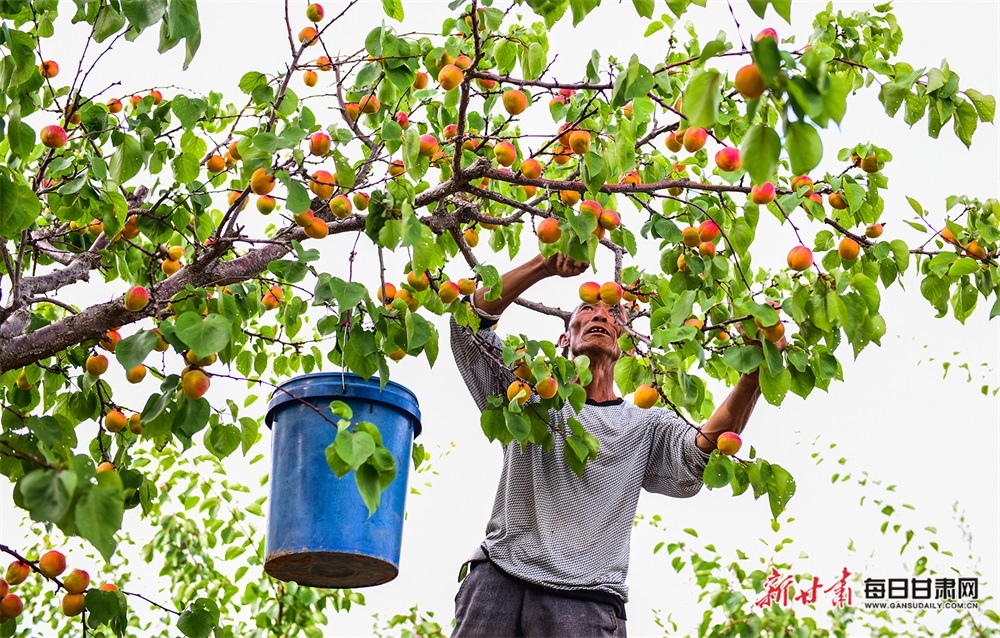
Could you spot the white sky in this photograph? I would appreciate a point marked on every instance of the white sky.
(896, 417)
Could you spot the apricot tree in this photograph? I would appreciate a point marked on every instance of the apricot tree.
(214, 225)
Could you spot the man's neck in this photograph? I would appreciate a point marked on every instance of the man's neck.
(602, 386)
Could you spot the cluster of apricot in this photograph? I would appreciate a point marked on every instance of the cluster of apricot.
(447, 292)
(701, 237)
(520, 389)
(51, 565)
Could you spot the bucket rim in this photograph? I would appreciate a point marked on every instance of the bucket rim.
(394, 393)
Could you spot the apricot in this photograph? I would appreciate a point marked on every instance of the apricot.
(97, 364)
(691, 236)
(319, 143)
(321, 184)
(361, 201)
(114, 105)
(729, 443)
(53, 136)
(609, 220)
(262, 182)
(800, 258)
(77, 582)
(590, 292)
(708, 230)
(340, 206)
(694, 139)
(215, 164)
(774, 333)
(471, 236)
(519, 391)
(673, 143)
(548, 231)
(610, 293)
(802, 181)
(52, 563)
(386, 293)
(135, 424)
(308, 35)
(310, 78)
(706, 249)
(266, 204)
(467, 286)
(448, 292)
(73, 604)
(767, 33)
(514, 102)
(136, 298)
(449, 77)
(22, 381)
(645, 396)
(115, 421)
(682, 264)
(353, 111)
(195, 383)
(418, 282)
(728, 159)
(420, 80)
(568, 197)
(304, 219)
(505, 153)
(314, 13)
(10, 607)
(136, 374)
(531, 169)
(632, 178)
(579, 141)
(317, 229)
(848, 249)
(106, 466)
(547, 387)
(973, 249)
(874, 231)
(591, 206)
(324, 63)
(869, 164)
(749, 82)
(17, 573)
(837, 200)
(396, 168)
(369, 104)
(428, 145)
(397, 354)
(49, 69)
(109, 341)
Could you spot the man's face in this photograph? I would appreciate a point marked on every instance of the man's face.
(593, 331)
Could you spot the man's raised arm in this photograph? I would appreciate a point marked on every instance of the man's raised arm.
(516, 281)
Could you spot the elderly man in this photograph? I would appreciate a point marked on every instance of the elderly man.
(556, 551)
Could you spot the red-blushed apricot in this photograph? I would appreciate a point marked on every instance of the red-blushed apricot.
(449, 77)
(802, 181)
(836, 200)
(514, 101)
(749, 82)
(874, 231)
(694, 139)
(610, 293)
(195, 383)
(77, 582)
(548, 231)
(729, 443)
(728, 159)
(531, 169)
(590, 292)
(448, 291)
(569, 197)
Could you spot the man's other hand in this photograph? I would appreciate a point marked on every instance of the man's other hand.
(561, 265)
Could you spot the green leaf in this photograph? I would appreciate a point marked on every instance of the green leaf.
(393, 9)
(354, 447)
(143, 13)
(204, 336)
(517, 425)
(132, 350)
(581, 8)
(224, 439)
(965, 122)
(21, 207)
(251, 80)
(743, 359)
(986, 105)
(44, 495)
(780, 489)
(367, 479)
(804, 146)
(644, 7)
(199, 620)
(99, 513)
(719, 471)
(182, 19)
(701, 99)
(963, 266)
(534, 61)
(760, 151)
(126, 161)
(108, 22)
(774, 387)
(102, 606)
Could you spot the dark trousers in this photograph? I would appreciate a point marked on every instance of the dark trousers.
(490, 604)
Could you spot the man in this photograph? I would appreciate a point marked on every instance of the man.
(556, 552)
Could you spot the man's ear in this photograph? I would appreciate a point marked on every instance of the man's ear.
(563, 340)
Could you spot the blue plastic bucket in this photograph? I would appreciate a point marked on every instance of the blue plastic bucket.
(319, 533)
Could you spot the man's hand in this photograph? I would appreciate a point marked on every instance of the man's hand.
(561, 265)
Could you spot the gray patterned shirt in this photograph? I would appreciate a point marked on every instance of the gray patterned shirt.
(553, 528)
